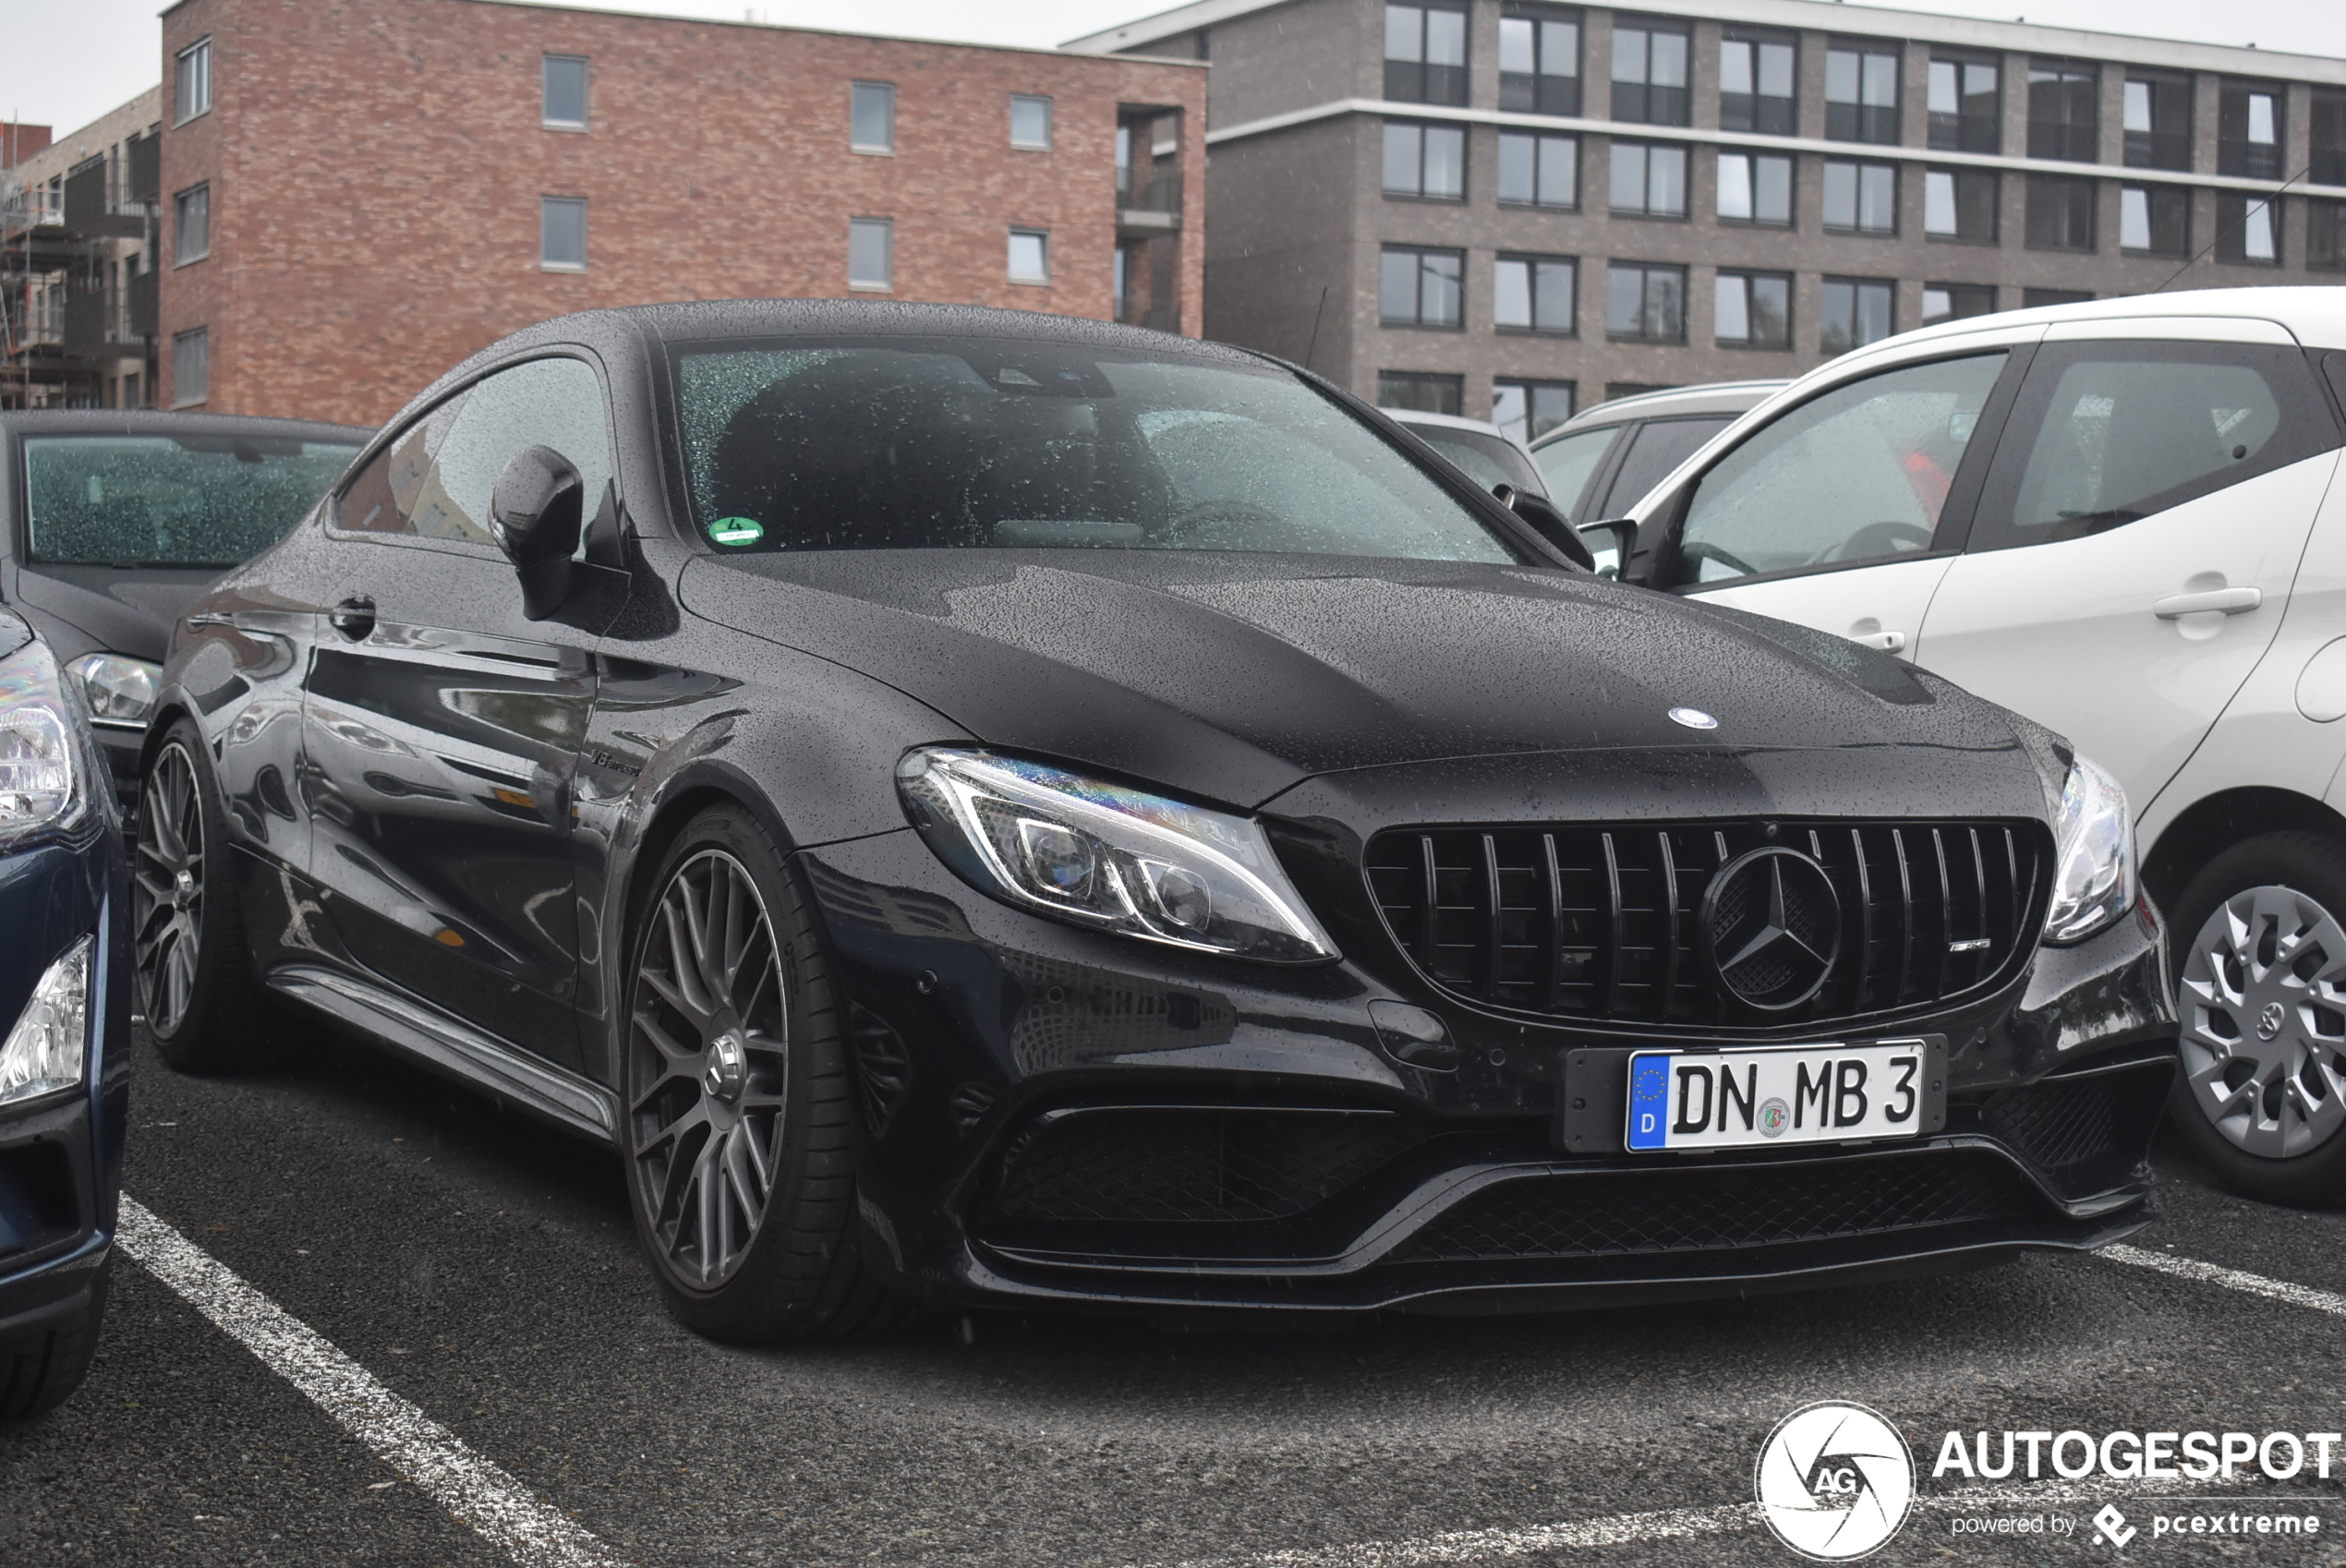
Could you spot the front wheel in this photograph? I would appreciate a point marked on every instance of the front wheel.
(2261, 987)
(739, 1121)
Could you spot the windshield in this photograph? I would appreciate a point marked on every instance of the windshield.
(170, 501)
(1487, 460)
(1008, 444)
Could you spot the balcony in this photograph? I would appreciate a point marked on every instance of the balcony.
(31, 207)
(2159, 150)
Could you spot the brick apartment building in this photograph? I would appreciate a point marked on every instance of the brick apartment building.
(355, 193)
(1505, 206)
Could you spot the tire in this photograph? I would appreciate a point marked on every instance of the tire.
(205, 1007)
(2260, 982)
(738, 1126)
(38, 1372)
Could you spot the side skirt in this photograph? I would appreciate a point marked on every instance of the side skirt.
(457, 1049)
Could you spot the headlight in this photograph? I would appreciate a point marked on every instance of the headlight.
(118, 690)
(48, 1047)
(45, 771)
(2095, 883)
(1100, 855)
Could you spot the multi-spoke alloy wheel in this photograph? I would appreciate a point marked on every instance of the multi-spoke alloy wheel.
(166, 889)
(2264, 1029)
(708, 1065)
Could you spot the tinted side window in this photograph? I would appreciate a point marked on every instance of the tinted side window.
(1571, 463)
(2105, 433)
(1660, 446)
(1858, 474)
(435, 481)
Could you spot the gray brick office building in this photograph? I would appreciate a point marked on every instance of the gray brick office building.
(1514, 208)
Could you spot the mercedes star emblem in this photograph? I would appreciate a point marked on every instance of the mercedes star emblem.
(1770, 928)
(1693, 718)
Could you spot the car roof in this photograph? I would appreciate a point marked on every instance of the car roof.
(1713, 397)
(1447, 421)
(162, 422)
(2315, 314)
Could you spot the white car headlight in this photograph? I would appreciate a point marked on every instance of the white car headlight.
(2094, 883)
(45, 768)
(1115, 859)
(50, 1046)
(117, 689)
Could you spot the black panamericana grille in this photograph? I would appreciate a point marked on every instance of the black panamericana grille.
(1598, 923)
(1705, 1209)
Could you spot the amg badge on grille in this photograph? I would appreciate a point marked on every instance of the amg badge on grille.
(1771, 928)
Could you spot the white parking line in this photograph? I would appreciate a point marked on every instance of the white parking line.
(500, 1508)
(2230, 1279)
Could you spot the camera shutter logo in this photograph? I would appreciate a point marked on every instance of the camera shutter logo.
(1834, 1481)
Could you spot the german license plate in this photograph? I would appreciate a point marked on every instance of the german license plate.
(1799, 1094)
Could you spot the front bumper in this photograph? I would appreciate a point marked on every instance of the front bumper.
(1055, 1116)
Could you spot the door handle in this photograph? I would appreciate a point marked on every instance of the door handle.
(354, 618)
(1882, 642)
(2226, 601)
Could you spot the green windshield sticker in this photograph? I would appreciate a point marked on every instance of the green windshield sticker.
(737, 530)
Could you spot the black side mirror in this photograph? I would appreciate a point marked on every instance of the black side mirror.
(1548, 521)
(1610, 542)
(536, 512)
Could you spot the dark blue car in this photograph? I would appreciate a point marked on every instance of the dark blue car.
(64, 1009)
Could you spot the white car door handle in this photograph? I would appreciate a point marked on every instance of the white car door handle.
(2227, 601)
(1884, 642)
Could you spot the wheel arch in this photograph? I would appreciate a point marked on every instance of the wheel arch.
(2209, 826)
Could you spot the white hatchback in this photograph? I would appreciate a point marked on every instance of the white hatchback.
(2120, 519)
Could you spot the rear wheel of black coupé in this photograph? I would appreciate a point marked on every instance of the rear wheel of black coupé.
(205, 1009)
(739, 1121)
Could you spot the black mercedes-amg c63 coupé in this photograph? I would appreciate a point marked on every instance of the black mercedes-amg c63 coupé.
(978, 807)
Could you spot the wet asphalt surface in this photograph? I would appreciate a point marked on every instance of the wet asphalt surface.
(484, 1268)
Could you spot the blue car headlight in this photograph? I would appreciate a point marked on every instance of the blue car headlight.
(1108, 857)
(45, 767)
(49, 1047)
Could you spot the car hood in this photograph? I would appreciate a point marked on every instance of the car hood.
(125, 609)
(1234, 677)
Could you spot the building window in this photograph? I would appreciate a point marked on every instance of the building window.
(1649, 179)
(2061, 213)
(1754, 85)
(1540, 62)
(2248, 229)
(1419, 392)
(1959, 204)
(1861, 199)
(1857, 311)
(1030, 255)
(1539, 171)
(1425, 54)
(1031, 122)
(1650, 75)
(1527, 410)
(192, 224)
(1645, 302)
(1755, 310)
(871, 253)
(2154, 220)
(190, 367)
(872, 117)
(2248, 131)
(1425, 160)
(1756, 187)
(1422, 288)
(2062, 118)
(194, 81)
(2158, 120)
(561, 234)
(2326, 235)
(2035, 299)
(1966, 106)
(1953, 302)
(2327, 123)
(564, 79)
(1861, 93)
(1534, 293)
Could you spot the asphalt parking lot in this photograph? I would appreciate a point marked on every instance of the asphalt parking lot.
(481, 1269)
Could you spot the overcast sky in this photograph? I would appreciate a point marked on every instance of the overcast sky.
(63, 63)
